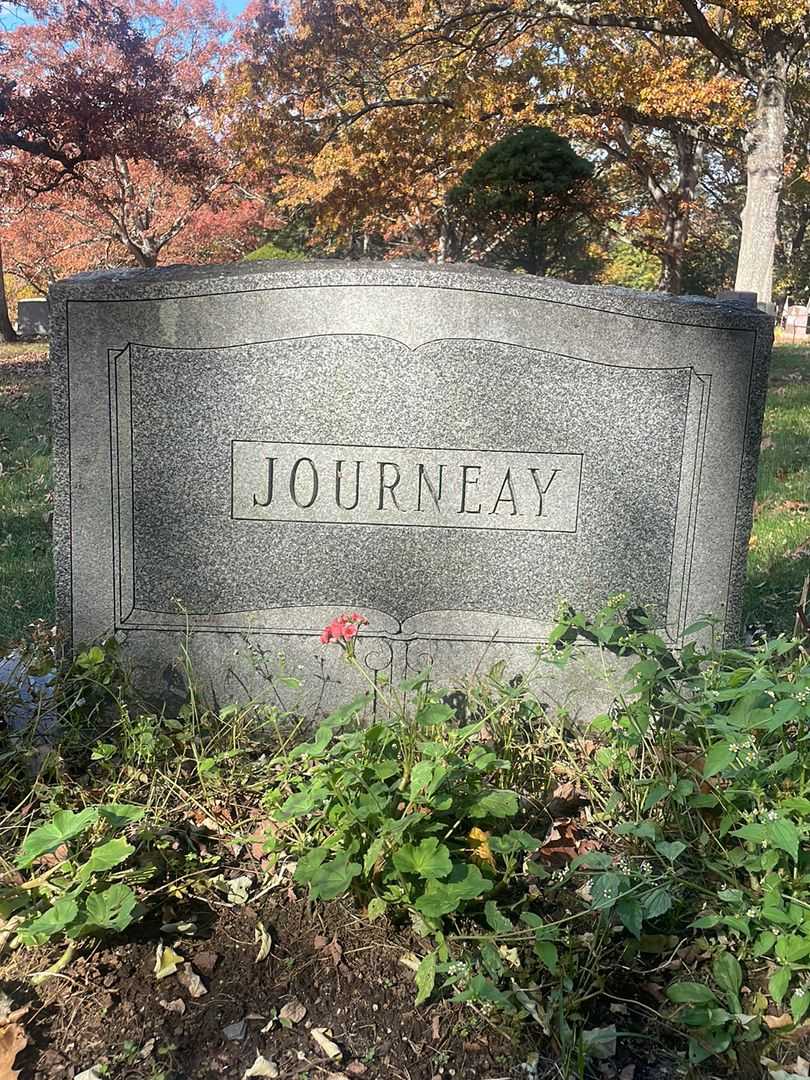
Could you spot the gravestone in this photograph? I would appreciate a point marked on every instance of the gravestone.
(244, 452)
(794, 321)
(32, 318)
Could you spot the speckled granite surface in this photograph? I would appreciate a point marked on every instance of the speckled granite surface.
(452, 451)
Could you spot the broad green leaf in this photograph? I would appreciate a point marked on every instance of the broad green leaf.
(496, 919)
(605, 890)
(728, 976)
(784, 835)
(62, 827)
(466, 882)
(656, 793)
(512, 841)
(429, 859)
(799, 1004)
(376, 907)
(434, 715)
(546, 952)
(53, 921)
(764, 943)
(375, 849)
(425, 977)
(118, 815)
(302, 802)
(656, 902)
(779, 983)
(718, 758)
(483, 989)
(105, 857)
(110, 909)
(421, 776)
(496, 804)
(691, 993)
(328, 880)
(671, 850)
(630, 914)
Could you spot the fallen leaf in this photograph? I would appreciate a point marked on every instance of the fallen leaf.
(775, 1023)
(322, 1036)
(410, 961)
(167, 962)
(238, 889)
(192, 982)
(356, 1068)
(264, 941)
(628, 1073)
(206, 962)
(236, 1031)
(435, 1032)
(293, 1011)
(88, 1074)
(177, 1006)
(481, 851)
(261, 1067)
(12, 1040)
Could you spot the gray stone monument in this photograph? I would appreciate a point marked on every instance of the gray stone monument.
(245, 452)
(32, 318)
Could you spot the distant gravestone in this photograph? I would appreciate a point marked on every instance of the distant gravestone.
(32, 318)
(251, 450)
(794, 321)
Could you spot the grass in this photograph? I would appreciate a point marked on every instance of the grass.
(780, 544)
(26, 568)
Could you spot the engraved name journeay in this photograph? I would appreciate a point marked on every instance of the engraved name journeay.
(428, 487)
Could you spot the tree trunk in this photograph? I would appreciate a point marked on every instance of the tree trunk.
(7, 332)
(676, 233)
(765, 147)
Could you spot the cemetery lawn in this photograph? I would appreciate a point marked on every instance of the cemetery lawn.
(779, 556)
(26, 569)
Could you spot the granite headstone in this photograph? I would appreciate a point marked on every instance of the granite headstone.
(244, 452)
(32, 318)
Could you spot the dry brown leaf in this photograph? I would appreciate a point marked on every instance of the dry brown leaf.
(12, 1040)
(322, 1036)
(775, 1023)
(293, 1011)
(192, 982)
(481, 851)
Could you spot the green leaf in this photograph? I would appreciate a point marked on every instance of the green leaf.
(496, 920)
(671, 850)
(728, 975)
(421, 775)
(434, 715)
(62, 827)
(425, 977)
(605, 890)
(105, 857)
(302, 802)
(53, 921)
(718, 758)
(466, 882)
(109, 910)
(512, 841)
(630, 914)
(799, 1004)
(119, 815)
(764, 943)
(784, 835)
(328, 880)
(429, 859)
(691, 993)
(779, 983)
(546, 952)
(483, 989)
(657, 792)
(376, 907)
(496, 804)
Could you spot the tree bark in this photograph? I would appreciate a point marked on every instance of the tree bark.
(765, 147)
(7, 331)
(676, 233)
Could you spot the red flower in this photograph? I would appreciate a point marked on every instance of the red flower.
(343, 629)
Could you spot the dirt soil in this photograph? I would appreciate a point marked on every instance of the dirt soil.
(108, 1013)
(109, 1009)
